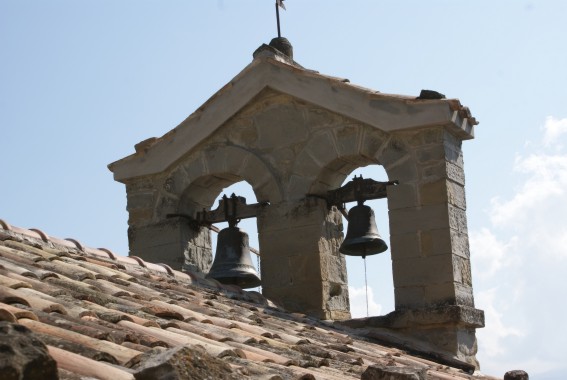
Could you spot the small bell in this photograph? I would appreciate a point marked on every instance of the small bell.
(362, 238)
(233, 263)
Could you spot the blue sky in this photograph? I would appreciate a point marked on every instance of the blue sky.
(82, 81)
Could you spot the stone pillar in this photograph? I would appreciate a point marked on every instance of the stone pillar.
(301, 265)
(156, 238)
(428, 228)
(174, 243)
(429, 245)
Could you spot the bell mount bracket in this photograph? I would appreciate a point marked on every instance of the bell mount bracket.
(231, 209)
(359, 190)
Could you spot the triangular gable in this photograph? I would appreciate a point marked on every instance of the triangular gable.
(270, 70)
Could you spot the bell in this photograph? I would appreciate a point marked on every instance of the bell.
(362, 238)
(233, 264)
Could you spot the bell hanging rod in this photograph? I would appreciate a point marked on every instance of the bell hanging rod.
(358, 190)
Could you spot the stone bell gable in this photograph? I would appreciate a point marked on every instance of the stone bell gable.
(294, 134)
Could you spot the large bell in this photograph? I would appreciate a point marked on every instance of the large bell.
(233, 264)
(362, 238)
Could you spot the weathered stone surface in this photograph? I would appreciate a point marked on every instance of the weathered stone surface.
(381, 372)
(395, 150)
(292, 149)
(23, 356)
(403, 195)
(516, 375)
(183, 363)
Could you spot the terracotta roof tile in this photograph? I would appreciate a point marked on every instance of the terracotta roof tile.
(101, 314)
(83, 366)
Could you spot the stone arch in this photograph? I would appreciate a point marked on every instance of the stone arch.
(189, 186)
(196, 181)
(331, 155)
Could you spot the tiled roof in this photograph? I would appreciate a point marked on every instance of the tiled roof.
(103, 315)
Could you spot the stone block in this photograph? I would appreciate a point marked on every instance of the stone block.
(403, 195)
(194, 167)
(234, 158)
(409, 297)
(305, 267)
(455, 173)
(348, 139)
(197, 259)
(430, 154)
(307, 298)
(433, 135)
(322, 148)
(433, 171)
(256, 170)
(276, 272)
(317, 118)
(458, 219)
(460, 244)
(406, 245)
(268, 191)
(157, 234)
(163, 242)
(166, 204)
(337, 297)
(171, 254)
(431, 217)
(241, 131)
(371, 144)
(453, 153)
(298, 187)
(423, 271)
(436, 242)
(140, 217)
(440, 294)
(306, 165)
(337, 315)
(292, 214)
(456, 195)
(280, 125)
(394, 150)
(406, 172)
(462, 270)
(288, 242)
(141, 200)
(464, 295)
(433, 193)
(333, 268)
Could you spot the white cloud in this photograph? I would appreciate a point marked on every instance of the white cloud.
(490, 254)
(358, 302)
(553, 129)
(542, 191)
(535, 213)
(519, 259)
(496, 330)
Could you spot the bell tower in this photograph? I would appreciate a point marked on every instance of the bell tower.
(295, 135)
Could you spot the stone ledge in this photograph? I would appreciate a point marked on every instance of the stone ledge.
(451, 315)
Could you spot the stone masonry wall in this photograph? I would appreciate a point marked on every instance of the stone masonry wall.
(287, 149)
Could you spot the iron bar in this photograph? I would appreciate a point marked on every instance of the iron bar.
(278, 19)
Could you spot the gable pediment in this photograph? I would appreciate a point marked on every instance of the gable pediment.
(385, 112)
